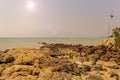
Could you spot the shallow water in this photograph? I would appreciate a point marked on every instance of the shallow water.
(8, 43)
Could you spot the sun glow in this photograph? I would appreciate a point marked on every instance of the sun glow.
(30, 5)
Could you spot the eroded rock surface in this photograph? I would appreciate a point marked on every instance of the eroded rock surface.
(60, 62)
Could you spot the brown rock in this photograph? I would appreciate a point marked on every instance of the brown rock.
(27, 58)
(8, 59)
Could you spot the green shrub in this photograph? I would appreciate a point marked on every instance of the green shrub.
(117, 41)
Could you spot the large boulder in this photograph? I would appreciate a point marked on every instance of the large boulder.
(28, 58)
(21, 72)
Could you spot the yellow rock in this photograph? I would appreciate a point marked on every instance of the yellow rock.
(107, 42)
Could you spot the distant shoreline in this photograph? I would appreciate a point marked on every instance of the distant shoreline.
(9, 43)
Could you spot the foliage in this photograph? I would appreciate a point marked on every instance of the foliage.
(116, 34)
(116, 31)
(117, 41)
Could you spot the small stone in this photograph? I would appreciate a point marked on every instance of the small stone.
(6, 50)
(60, 57)
(94, 77)
(36, 72)
(78, 62)
(94, 62)
(99, 67)
(87, 68)
(114, 75)
(65, 57)
(116, 67)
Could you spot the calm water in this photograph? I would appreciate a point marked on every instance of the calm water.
(8, 43)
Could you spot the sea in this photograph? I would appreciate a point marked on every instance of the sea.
(9, 43)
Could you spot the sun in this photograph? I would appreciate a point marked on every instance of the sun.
(30, 5)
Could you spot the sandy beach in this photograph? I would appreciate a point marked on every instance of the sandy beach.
(58, 61)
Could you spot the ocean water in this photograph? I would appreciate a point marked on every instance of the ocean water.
(9, 43)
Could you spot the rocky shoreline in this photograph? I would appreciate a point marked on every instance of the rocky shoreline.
(61, 62)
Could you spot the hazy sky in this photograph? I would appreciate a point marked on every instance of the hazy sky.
(58, 18)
